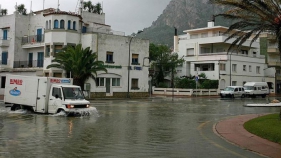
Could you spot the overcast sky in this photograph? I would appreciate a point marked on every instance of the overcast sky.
(123, 15)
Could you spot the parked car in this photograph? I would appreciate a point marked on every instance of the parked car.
(253, 89)
(233, 92)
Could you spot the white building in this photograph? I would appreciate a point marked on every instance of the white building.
(205, 51)
(29, 43)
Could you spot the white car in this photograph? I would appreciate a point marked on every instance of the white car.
(233, 92)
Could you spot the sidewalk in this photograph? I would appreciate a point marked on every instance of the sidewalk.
(233, 131)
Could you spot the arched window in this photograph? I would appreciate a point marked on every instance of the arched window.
(74, 25)
(47, 26)
(62, 24)
(69, 25)
(56, 24)
(50, 24)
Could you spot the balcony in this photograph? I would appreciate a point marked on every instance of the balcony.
(273, 64)
(32, 41)
(4, 43)
(29, 64)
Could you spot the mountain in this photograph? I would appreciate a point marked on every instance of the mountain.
(183, 15)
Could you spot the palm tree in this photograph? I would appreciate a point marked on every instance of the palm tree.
(251, 18)
(4, 11)
(98, 8)
(88, 6)
(21, 9)
(82, 63)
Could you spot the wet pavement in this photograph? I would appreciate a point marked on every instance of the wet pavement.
(157, 127)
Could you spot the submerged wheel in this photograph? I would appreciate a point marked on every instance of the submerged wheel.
(243, 96)
(263, 96)
(15, 107)
(232, 96)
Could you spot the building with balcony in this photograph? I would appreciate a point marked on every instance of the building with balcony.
(205, 51)
(29, 43)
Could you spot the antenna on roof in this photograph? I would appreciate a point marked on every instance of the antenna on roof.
(58, 5)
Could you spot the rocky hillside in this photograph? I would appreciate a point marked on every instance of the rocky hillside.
(184, 15)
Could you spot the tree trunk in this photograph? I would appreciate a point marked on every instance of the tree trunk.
(78, 82)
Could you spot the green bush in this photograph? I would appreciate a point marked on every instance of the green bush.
(209, 84)
(163, 85)
(185, 83)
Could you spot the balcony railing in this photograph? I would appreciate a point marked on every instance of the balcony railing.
(4, 42)
(32, 39)
(28, 64)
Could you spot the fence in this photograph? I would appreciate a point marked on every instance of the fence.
(185, 92)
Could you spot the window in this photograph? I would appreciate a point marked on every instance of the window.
(115, 81)
(100, 82)
(190, 52)
(205, 50)
(222, 67)
(4, 58)
(50, 24)
(234, 83)
(135, 83)
(62, 24)
(69, 25)
(245, 52)
(135, 59)
(3, 81)
(258, 70)
(234, 66)
(58, 48)
(244, 68)
(250, 68)
(254, 54)
(109, 57)
(74, 25)
(56, 24)
(56, 92)
(47, 25)
(47, 52)
(5, 34)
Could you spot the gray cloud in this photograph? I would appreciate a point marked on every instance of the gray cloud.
(123, 15)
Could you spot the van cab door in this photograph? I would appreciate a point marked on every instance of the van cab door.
(55, 99)
(236, 92)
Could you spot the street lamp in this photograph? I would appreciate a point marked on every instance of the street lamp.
(129, 60)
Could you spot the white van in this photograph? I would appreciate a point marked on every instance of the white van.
(233, 92)
(254, 89)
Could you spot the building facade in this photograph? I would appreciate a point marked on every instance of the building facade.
(206, 51)
(29, 43)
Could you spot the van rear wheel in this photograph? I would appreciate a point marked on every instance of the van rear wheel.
(243, 96)
(15, 107)
(263, 96)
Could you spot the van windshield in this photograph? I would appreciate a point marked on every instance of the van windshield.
(72, 93)
(229, 89)
(249, 88)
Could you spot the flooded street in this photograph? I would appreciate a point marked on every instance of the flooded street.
(127, 128)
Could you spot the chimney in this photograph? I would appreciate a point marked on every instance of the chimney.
(176, 41)
(212, 22)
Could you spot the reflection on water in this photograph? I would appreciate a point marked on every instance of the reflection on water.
(146, 128)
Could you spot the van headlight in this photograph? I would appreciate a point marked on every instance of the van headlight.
(87, 106)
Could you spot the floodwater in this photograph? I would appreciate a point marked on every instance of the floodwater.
(165, 127)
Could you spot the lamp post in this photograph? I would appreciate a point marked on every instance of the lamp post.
(129, 68)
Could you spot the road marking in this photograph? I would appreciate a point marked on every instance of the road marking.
(214, 143)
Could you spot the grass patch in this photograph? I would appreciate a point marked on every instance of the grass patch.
(267, 127)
